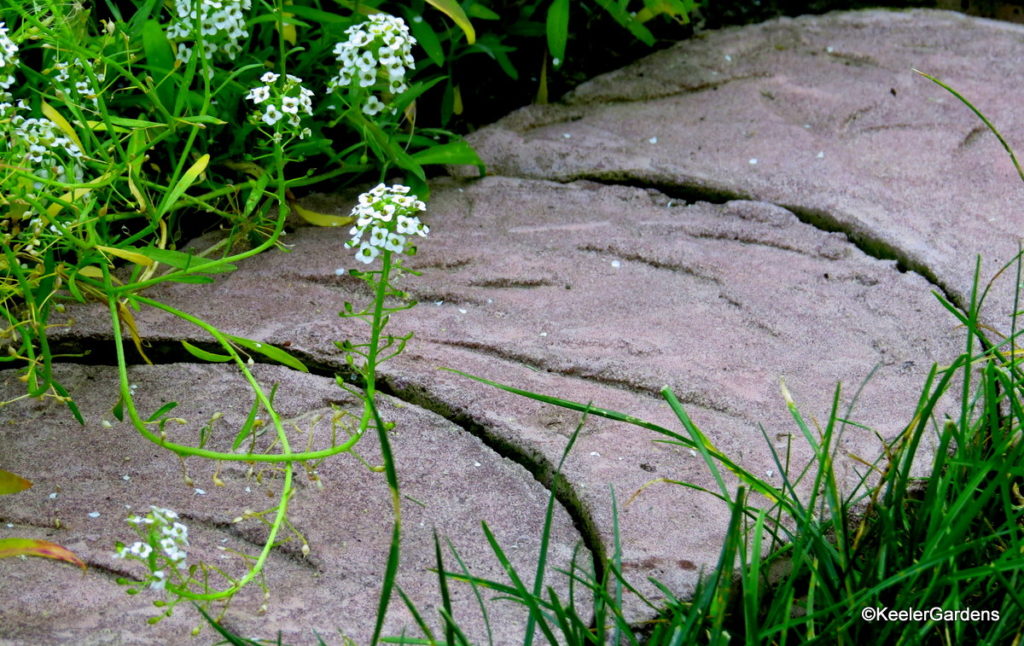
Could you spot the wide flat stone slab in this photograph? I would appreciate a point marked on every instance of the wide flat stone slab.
(821, 114)
(605, 294)
(87, 477)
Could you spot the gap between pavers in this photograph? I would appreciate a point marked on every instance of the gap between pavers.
(605, 294)
(86, 477)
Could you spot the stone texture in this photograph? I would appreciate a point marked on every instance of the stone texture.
(842, 130)
(347, 521)
(661, 255)
(606, 294)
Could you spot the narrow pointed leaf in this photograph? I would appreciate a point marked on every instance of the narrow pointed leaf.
(321, 219)
(32, 547)
(455, 12)
(199, 353)
(12, 483)
(271, 352)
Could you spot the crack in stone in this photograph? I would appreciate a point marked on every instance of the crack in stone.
(691, 397)
(667, 266)
(868, 242)
(102, 352)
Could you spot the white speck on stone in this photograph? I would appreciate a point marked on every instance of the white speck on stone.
(652, 140)
(126, 477)
(753, 161)
(461, 191)
(248, 490)
(616, 264)
(340, 271)
(489, 301)
(807, 125)
(595, 454)
(462, 311)
(134, 386)
(830, 49)
(106, 424)
(769, 473)
(475, 463)
(94, 514)
(543, 333)
(693, 453)
(53, 496)
(821, 154)
(728, 58)
(567, 135)
(9, 525)
(200, 492)
(439, 303)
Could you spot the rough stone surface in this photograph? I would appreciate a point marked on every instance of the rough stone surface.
(616, 279)
(823, 115)
(606, 294)
(83, 470)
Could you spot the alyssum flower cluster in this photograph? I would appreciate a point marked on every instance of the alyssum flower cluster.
(380, 49)
(277, 101)
(221, 26)
(163, 548)
(388, 215)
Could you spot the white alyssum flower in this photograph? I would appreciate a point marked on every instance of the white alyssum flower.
(8, 59)
(218, 24)
(72, 78)
(284, 101)
(377, 52)
(163, 548)
(44, 147)
(388, 214)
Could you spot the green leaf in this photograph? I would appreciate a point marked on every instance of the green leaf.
(558, 30)
(159, 60)
(32, 547)
(192, 279)
(162, 411)
(182, 260)
(205, 355)
(622, 17)
(455, 12)
(249, 421)
(203, 118)
(455, 153)
(428, 40)
(11, 483)
(477, 10)
(187, 179)
(271, 352)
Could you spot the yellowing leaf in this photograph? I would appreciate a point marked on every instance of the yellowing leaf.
(128, 321)
(288, 30)
(321, 219)
(131, 256)
(11, 483)
(91, 271)
(32, 547)
(455, 12)
(189, 178)
(70, 197)
(51, 113)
